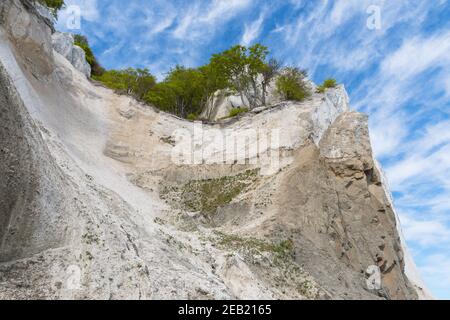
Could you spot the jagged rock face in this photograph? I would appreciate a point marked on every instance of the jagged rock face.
(344, 210)
(94, 205)
(63, 43)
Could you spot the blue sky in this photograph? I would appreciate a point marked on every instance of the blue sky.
(393, 57)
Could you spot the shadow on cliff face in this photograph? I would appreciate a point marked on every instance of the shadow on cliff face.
(28, 176)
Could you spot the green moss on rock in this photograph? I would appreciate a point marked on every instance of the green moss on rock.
(207, 195)
(281, 249)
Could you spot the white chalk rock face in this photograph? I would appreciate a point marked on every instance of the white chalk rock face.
(64, 44)
(221, 105)
(79, 61)
(334, 102)
(224, 101)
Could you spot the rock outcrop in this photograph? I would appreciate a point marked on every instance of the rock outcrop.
(224, 101)
(220, 106)
(63, 43)
(106, 198)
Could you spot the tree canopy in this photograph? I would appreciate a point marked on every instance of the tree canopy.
(246, 72)
(134, 82)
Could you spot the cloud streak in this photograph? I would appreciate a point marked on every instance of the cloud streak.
(252, 30)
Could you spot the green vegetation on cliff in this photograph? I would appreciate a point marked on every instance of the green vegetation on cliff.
(133, 82)
(185, 92)
(283, 249)
(237, 111)
(327, 84)
(292, 85)
(207, 195)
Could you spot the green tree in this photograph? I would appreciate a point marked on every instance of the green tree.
(182, 92)
(256, 66)
(163, 97)
(186, 91)
(134, 82)
(213, 80)
(292, 85)
(246, 72)
(232, 63)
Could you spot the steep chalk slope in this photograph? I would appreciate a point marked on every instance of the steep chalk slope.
(102, 197)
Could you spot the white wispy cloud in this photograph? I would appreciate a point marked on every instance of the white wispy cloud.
(418, 55)
(425, 231)
(342, 11)
(222, 10)
(200, 21)
(187, 24)
(253, 30)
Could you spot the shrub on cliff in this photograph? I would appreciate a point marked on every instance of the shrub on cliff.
(237, 111)
(292, 85)
(327, 84)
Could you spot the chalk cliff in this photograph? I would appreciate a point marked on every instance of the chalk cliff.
(102, 197)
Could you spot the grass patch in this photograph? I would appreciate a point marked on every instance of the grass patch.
(282, 270)
(282, 249)
(237, 111)
(292, 85)
(206, 196)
